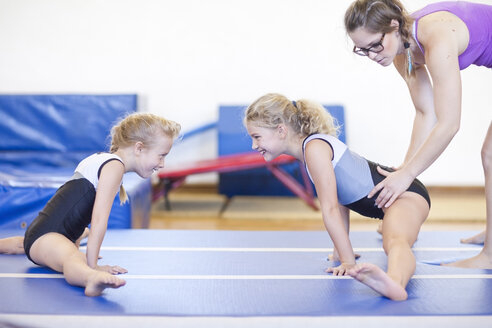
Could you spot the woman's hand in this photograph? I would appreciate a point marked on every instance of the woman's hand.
(340, 270)
(113, 269)
(395, 184)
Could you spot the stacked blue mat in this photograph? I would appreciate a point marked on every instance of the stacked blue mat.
(42, 139)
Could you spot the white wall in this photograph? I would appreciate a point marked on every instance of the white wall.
(185, 57)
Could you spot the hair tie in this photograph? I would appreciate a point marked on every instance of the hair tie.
(406, 45)
(294, 103)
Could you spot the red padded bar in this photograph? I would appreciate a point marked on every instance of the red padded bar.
(229, 163)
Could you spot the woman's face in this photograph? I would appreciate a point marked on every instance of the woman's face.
(379, 47)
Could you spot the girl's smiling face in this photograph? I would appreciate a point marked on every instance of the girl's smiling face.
(267, 141)
(151, 159)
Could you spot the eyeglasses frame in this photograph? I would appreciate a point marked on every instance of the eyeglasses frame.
(365, 51)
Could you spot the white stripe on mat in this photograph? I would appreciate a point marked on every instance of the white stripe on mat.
(275, 249)
(245, 277)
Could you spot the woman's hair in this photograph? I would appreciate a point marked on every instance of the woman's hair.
(376, 15)
(303, 116)
(140, 127)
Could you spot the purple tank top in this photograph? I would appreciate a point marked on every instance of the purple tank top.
(478, 19)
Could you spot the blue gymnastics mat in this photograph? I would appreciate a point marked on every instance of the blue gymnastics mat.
(42, 140)
(264, 275)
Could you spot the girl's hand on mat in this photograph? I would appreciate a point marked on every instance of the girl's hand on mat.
(391, 187)
(113, 269)
(340, 270)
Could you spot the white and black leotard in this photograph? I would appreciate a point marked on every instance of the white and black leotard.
(69, 211)
(356, 176)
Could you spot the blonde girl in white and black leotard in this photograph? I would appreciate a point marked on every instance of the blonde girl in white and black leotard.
(140, 142)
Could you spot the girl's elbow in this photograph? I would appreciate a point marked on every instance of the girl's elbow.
(99, 220)
(331, 211)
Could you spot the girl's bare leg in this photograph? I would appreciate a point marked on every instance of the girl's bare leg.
(401, 225)
(484, 259)
(60, 254)
(12, 245)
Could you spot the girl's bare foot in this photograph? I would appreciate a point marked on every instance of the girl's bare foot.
(372, 276)
(12, 245)
(480, 261)
(100, 281)
(478, 239)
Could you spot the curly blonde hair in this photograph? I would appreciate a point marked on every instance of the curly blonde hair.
(303, 116)
(140, 127)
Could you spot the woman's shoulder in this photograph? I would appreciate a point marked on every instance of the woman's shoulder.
(442, 27)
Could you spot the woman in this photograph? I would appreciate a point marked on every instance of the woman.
(428, 49)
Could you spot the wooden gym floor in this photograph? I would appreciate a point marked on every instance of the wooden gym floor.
(200, 207)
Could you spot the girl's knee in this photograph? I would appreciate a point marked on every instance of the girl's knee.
(394, 240)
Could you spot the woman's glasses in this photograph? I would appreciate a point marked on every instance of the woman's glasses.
(375, 48)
